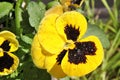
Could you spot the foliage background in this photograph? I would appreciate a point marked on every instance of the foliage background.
(24, 21)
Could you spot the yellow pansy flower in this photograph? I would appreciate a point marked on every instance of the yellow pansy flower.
(8, 61)
(71, 4)
(59, 47)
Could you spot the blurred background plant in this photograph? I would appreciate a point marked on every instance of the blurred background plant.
(22, 17)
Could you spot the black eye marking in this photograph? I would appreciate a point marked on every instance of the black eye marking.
(5, 45)
(76, 2)
(6, 61)
(71, 32)
(60, 56)
(78, 54)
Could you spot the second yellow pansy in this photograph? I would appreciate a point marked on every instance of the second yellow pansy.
(8, 61)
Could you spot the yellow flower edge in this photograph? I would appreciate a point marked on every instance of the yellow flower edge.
(75, 20)
(7, 34)
(36, 53)
(13, 67)
(48, 36)
(82, 69)
(57, 9)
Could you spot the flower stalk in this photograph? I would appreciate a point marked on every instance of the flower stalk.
(17, 16)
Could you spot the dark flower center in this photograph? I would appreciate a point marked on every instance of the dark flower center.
(78, 54)
(71, 32)
(6, 61)
(5, 45)
(76, 2)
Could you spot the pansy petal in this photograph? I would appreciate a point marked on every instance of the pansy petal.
(52, 66)
(37, 56)
(48, 36)
(7, 34)
(8, 63)
(57, 9)
(2, 39)
(14, 44)
(85, 67)
(57, 71)
(71, 25)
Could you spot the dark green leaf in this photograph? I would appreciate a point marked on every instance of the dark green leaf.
(36, 12)
(5, 8)
(96, 31)
(30, 72)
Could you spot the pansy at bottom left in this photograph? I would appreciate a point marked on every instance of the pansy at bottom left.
(8, 61)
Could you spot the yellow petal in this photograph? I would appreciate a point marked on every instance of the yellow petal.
(13, 66)
(52, 66)
(50, 61)
(92, 61)
(7, 34)
(75, 22)
(1, 52)
(36, 53)
(57, 71)
(2, 39)
(14, 44)
(57, 9)
(48, 36)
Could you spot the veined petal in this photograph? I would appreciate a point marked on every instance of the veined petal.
(48, 36)
(89, 61)
(37, 56)
(71, 25)
(8, 63)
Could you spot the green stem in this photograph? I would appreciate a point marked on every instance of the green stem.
(17, 16)
(115, 44)
(108, 8)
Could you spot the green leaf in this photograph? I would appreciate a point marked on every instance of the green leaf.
(115, 59)
(36, 12)
(26, 39)
(96, 31)
(5, 8)
(52, 3)
(30, 72)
